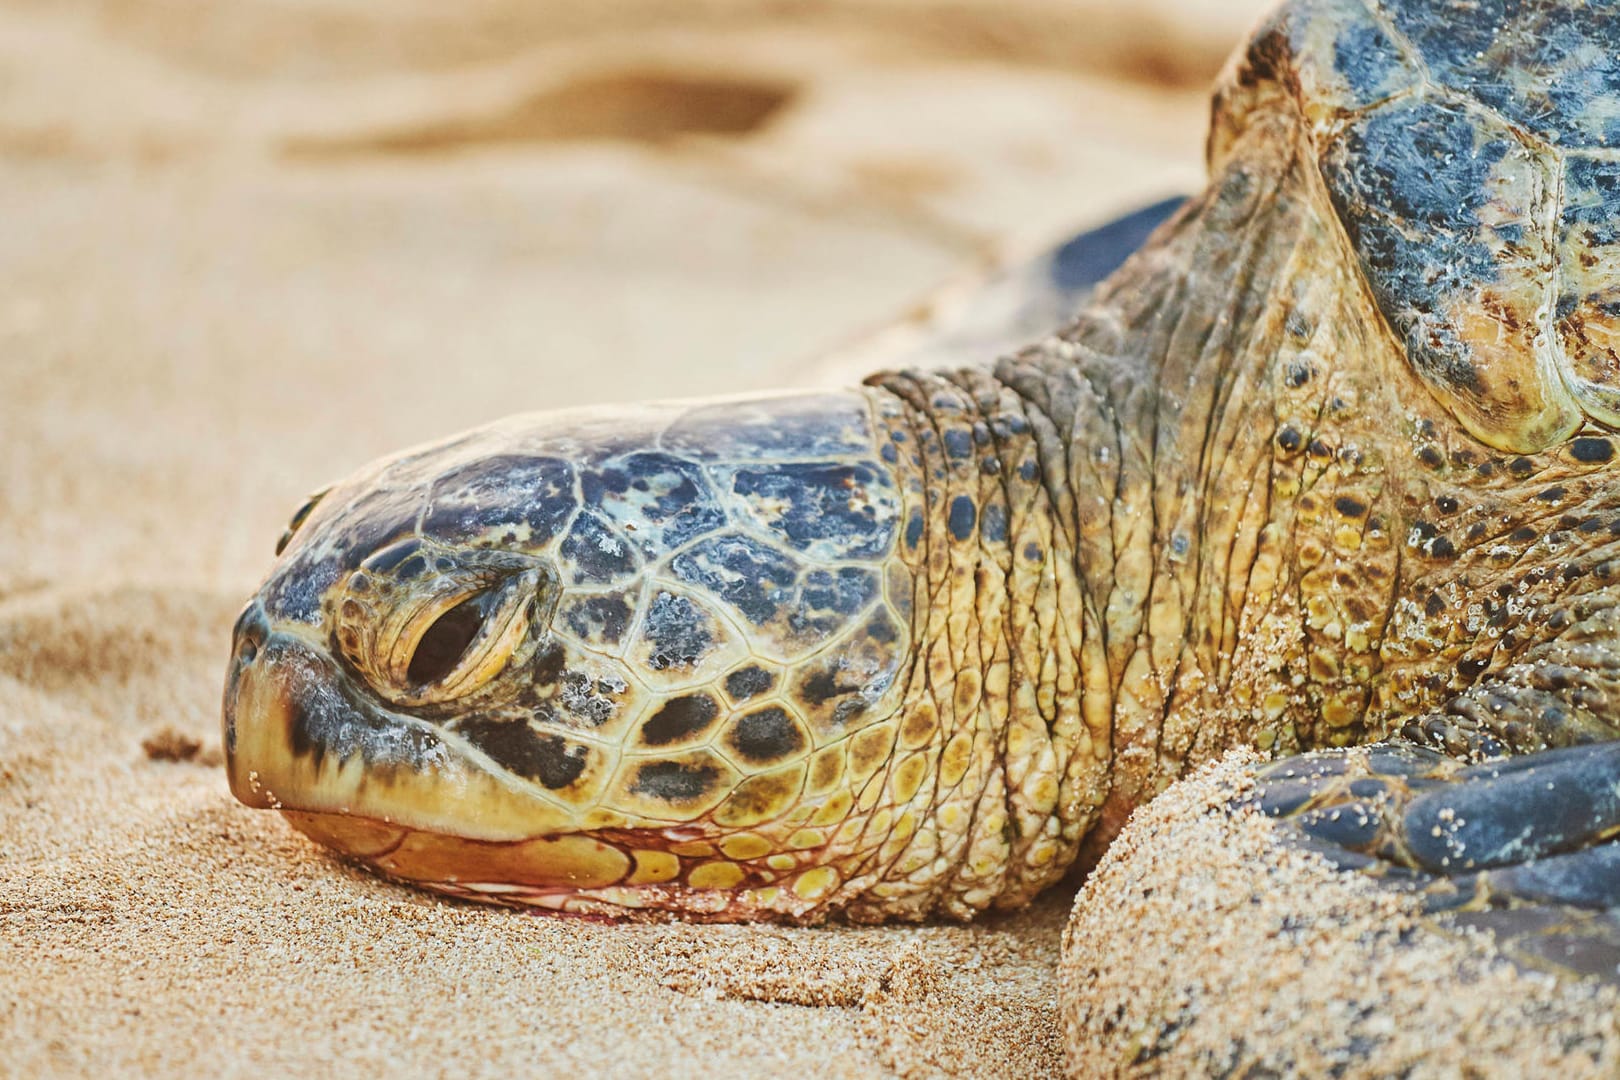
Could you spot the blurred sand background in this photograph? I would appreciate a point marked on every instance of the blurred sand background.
(248, 246)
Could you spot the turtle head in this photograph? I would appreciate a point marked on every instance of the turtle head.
(640, 660)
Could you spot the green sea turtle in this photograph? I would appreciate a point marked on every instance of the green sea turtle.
(1327, 462)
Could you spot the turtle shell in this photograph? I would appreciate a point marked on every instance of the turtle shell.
(1471, 151)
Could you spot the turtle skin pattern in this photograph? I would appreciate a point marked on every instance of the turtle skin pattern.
(1324, 464)
(698, 686)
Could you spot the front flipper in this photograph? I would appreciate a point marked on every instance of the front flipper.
(997, 311)
(1522, 847)
(1319, 916)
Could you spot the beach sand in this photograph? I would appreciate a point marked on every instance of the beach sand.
(250, 246)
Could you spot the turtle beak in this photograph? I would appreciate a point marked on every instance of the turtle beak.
(384, 787)
(248, 639)
(301, 736)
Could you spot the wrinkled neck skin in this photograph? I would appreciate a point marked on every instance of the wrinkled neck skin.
(1007, 776)
(1273, 535)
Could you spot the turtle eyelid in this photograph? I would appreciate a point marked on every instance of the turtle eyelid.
(421, 638)
(299, 517)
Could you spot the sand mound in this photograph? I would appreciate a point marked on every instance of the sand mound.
(1204, 945)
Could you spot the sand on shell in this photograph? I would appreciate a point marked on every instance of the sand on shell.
(1205, 943)
(250, 246)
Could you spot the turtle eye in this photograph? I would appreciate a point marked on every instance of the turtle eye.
(456, 641)
(428, 626)
(441, 647)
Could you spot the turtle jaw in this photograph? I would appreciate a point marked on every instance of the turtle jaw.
(415, 803)
(412, 802)
(544, 871)
(299, 736)
(571, 874)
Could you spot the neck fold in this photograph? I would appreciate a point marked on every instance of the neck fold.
(993, 692)
(1182, 402)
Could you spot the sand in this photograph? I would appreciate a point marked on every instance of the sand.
(249, 246)
(1205, 943)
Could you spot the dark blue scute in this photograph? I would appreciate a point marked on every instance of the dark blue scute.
(598, 619)
(1592, 200)
(755, 579)
(361, 528)
(786, 428)
(665, 499)
(677, 633)
(1369, 65)
(1419, 160)
(1551, 67)
(843, 591)
(506, 490)
(1411, 181)
(295, 592)
(593, 553)
(834, 510)
(826, 602)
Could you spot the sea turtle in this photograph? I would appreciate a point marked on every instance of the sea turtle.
(1327, 462)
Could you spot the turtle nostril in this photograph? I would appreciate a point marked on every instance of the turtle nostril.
(251, 632)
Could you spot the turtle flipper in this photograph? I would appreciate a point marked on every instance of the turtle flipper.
(999, 309)
(1211, 940)
(1523, 847)
(1025, 299)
